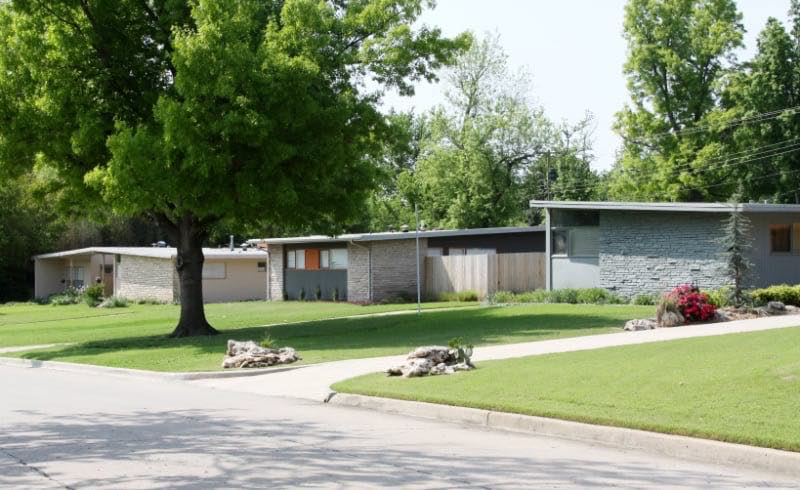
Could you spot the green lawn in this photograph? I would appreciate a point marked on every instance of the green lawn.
(135, 337)
(741, 388)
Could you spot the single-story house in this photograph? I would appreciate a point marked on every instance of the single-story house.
(372, 267)
(634, 248)
(140, 273)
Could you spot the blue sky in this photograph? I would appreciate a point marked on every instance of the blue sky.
(573, 48)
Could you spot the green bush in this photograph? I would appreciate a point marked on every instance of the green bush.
(114, 302)
(571, 296)
(268, 343)
(149, 301)
(70, 296)
(784, 293)
(644, 299)
(93, 294)
(460, 296)
(722, 297)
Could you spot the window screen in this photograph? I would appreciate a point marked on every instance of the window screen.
(290, 259)
(780, 238)
(584, 242)
(325, 259)
(339, 258)
(214, 270)
(560, 242)
(300, 259)
(435, 251)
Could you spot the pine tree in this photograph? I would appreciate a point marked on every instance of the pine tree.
(736, 243)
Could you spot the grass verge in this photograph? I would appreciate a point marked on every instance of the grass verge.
(742, 388)
(139, 341)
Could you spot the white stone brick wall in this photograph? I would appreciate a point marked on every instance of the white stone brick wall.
(145, 278)
(394, 268)
(275, 266)
(357, 273)
(651, 252)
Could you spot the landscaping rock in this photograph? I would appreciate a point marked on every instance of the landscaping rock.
(722, 316)
(776, 308)
(671, 319)
(251, 355)
(431, 360)
(641, 324)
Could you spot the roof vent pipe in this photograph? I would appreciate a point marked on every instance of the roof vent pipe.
(232, 245)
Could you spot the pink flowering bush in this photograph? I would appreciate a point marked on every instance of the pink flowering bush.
(692, 303)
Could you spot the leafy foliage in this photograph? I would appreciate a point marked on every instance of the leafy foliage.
(568, 295)
(737, 243)
(692, 303)
(786, 294)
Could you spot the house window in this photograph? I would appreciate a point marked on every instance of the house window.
(560, 242)
(75, 277)
(214, 270)
(300, 259)
(584, 241)
(108, 269)
(290, 259)
(481, 251)
(325, 259)
(339, 258)
(262, 267)
(780, 240)
(457, 251)
(435, 252)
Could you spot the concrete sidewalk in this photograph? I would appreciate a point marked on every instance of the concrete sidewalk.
(313, 382)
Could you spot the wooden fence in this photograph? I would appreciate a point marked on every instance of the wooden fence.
(484, 274)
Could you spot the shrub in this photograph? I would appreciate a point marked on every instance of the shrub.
(114, 302)
(458, 296)
(692, 303)
(150, 301)
(784, 293)
(463, 350)
(572, 296)
(93, 295)
(724, 296)
(335, 295)
(644, 299)
(70, 296)
(268, 343)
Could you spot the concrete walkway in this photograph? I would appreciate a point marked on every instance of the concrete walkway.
(313, 382)
(23, 348)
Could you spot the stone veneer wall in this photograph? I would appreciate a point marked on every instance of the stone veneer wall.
(275, 265)
(145, 278)
(394, 269)
(651, 252)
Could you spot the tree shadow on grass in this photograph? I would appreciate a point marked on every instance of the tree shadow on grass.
(224, 448)
(379, 335)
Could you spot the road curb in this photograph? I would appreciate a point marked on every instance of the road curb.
(682, 447)
(140, 373)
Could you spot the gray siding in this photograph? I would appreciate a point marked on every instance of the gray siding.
(651, 252)
(310, 280)
(772, 268)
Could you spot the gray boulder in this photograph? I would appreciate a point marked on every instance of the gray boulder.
(251, 355)
(640, 324)
(671, 319)
(776, 308)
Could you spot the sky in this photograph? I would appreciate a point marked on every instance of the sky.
(574, 50)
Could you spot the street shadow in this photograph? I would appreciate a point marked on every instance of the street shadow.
(190, 449)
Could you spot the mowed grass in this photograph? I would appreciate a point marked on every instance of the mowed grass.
(137, 338)
(742, 388)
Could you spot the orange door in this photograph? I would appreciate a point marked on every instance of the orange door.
(312, 258)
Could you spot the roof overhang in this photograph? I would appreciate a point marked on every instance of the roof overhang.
(398, 235)
(156, 253)
(678, 207)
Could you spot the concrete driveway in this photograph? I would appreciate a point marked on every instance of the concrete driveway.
(77, 430)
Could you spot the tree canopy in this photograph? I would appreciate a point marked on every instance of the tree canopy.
(194, 112)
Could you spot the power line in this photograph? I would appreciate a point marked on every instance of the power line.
(760, 117)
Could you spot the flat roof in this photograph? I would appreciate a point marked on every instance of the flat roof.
(156, 252)
(398, 235)
(690, 207)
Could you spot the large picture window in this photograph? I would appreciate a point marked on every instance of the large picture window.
(339, 258)
(580, 241)
(214, 270)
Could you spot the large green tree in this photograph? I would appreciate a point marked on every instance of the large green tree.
(678, 51)
(760, 118)
(206, 111)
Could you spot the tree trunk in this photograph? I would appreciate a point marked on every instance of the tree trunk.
(189, 264)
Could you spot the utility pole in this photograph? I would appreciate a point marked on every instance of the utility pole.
(419, 288)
